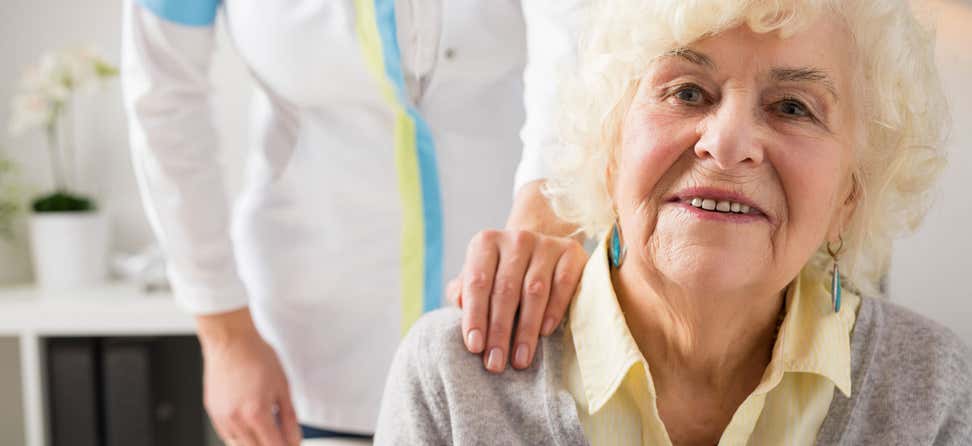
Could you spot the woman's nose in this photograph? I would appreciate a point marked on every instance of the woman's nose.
(730, 136)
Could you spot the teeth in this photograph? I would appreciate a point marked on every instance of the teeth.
(719, 206)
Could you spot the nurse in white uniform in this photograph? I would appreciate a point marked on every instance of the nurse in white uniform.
(385, 134)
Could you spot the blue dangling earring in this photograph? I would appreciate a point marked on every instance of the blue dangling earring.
(835, 287)
(616, 250)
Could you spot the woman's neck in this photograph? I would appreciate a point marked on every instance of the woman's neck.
(706, 352)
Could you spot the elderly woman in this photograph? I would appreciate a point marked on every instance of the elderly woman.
(746, 164)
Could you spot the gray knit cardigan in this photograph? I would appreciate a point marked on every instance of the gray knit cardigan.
(911, 385)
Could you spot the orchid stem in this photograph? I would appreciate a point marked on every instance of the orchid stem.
(56, 166)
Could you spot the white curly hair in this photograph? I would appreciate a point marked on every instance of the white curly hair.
(903, 112)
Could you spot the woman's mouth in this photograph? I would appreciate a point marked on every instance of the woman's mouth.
(724, 206)
(710, 203)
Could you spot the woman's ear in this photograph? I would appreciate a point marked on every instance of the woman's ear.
(614, 131)
(845, 211)
(609, 172)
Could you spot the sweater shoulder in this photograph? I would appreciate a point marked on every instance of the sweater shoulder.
(912, 379)
(913, 344)
(436, 334)
(437, 340)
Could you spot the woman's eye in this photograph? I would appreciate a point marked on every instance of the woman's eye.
(690, 94)
(792, 108)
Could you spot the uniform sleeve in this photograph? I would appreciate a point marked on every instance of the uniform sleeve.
(166, 52)
(552, 28)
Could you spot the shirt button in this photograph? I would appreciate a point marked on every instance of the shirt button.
(450, 53)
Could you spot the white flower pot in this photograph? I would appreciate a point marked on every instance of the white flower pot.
(70, 249)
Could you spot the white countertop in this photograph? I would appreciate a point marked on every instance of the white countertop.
(109, 309)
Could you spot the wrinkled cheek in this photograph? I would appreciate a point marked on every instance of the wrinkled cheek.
(667, 229)
(643, 185)
(643, 165)
(636, 208)
(805, 229)
(651, 145)
(810, 209)
(640, 228)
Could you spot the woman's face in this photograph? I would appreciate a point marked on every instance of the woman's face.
(735, 158)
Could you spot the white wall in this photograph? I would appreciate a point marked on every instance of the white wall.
(929, 268)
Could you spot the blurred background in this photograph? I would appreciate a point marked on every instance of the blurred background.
(928, 270)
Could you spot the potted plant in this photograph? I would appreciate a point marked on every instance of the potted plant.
(68, 231)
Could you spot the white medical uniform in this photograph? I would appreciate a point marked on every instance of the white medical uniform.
(384, 134)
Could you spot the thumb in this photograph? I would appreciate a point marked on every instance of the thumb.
(454, 291)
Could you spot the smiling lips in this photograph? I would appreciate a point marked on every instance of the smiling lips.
(711, 201)
(720, 206)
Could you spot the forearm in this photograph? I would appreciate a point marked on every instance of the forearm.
(532, 212)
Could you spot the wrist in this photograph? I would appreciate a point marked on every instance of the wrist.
(220, 329)
(532, 212)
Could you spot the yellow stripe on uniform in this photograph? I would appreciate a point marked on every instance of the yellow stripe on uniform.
(406, 165)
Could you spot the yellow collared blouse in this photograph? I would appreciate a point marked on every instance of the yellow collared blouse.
(612, 385)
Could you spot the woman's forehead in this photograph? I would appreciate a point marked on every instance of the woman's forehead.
(820, 53)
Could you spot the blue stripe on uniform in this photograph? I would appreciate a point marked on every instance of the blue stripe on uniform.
(184, 12)
(431, 202)
(433, 213)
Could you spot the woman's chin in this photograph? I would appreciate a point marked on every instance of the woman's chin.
(714, 272)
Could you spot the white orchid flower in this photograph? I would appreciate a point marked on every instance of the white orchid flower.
(48, 85)
(79, 70)
(29, 111)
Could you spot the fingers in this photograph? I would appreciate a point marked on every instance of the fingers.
(454, 291)
(263, 424)
(222, 430)
(515, 253)
(232, 428)
(287, 417)
(510, 273)
(246, 394)
(236, 434)
(566, 275)
(536, 292)
(477, 285)
(266, 429)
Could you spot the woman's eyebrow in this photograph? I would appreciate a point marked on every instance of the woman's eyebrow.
(805, 74)
(784, 74)
(692, 56)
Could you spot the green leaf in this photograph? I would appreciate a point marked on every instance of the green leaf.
(63, 201)
(104, 69)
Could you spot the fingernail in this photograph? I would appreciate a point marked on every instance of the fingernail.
(495, 360)
(520, 358)
(475, 340)
(548, 327)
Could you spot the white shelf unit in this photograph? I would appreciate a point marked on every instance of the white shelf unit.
(113, 309)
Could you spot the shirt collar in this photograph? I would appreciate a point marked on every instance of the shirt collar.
(812, 338)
